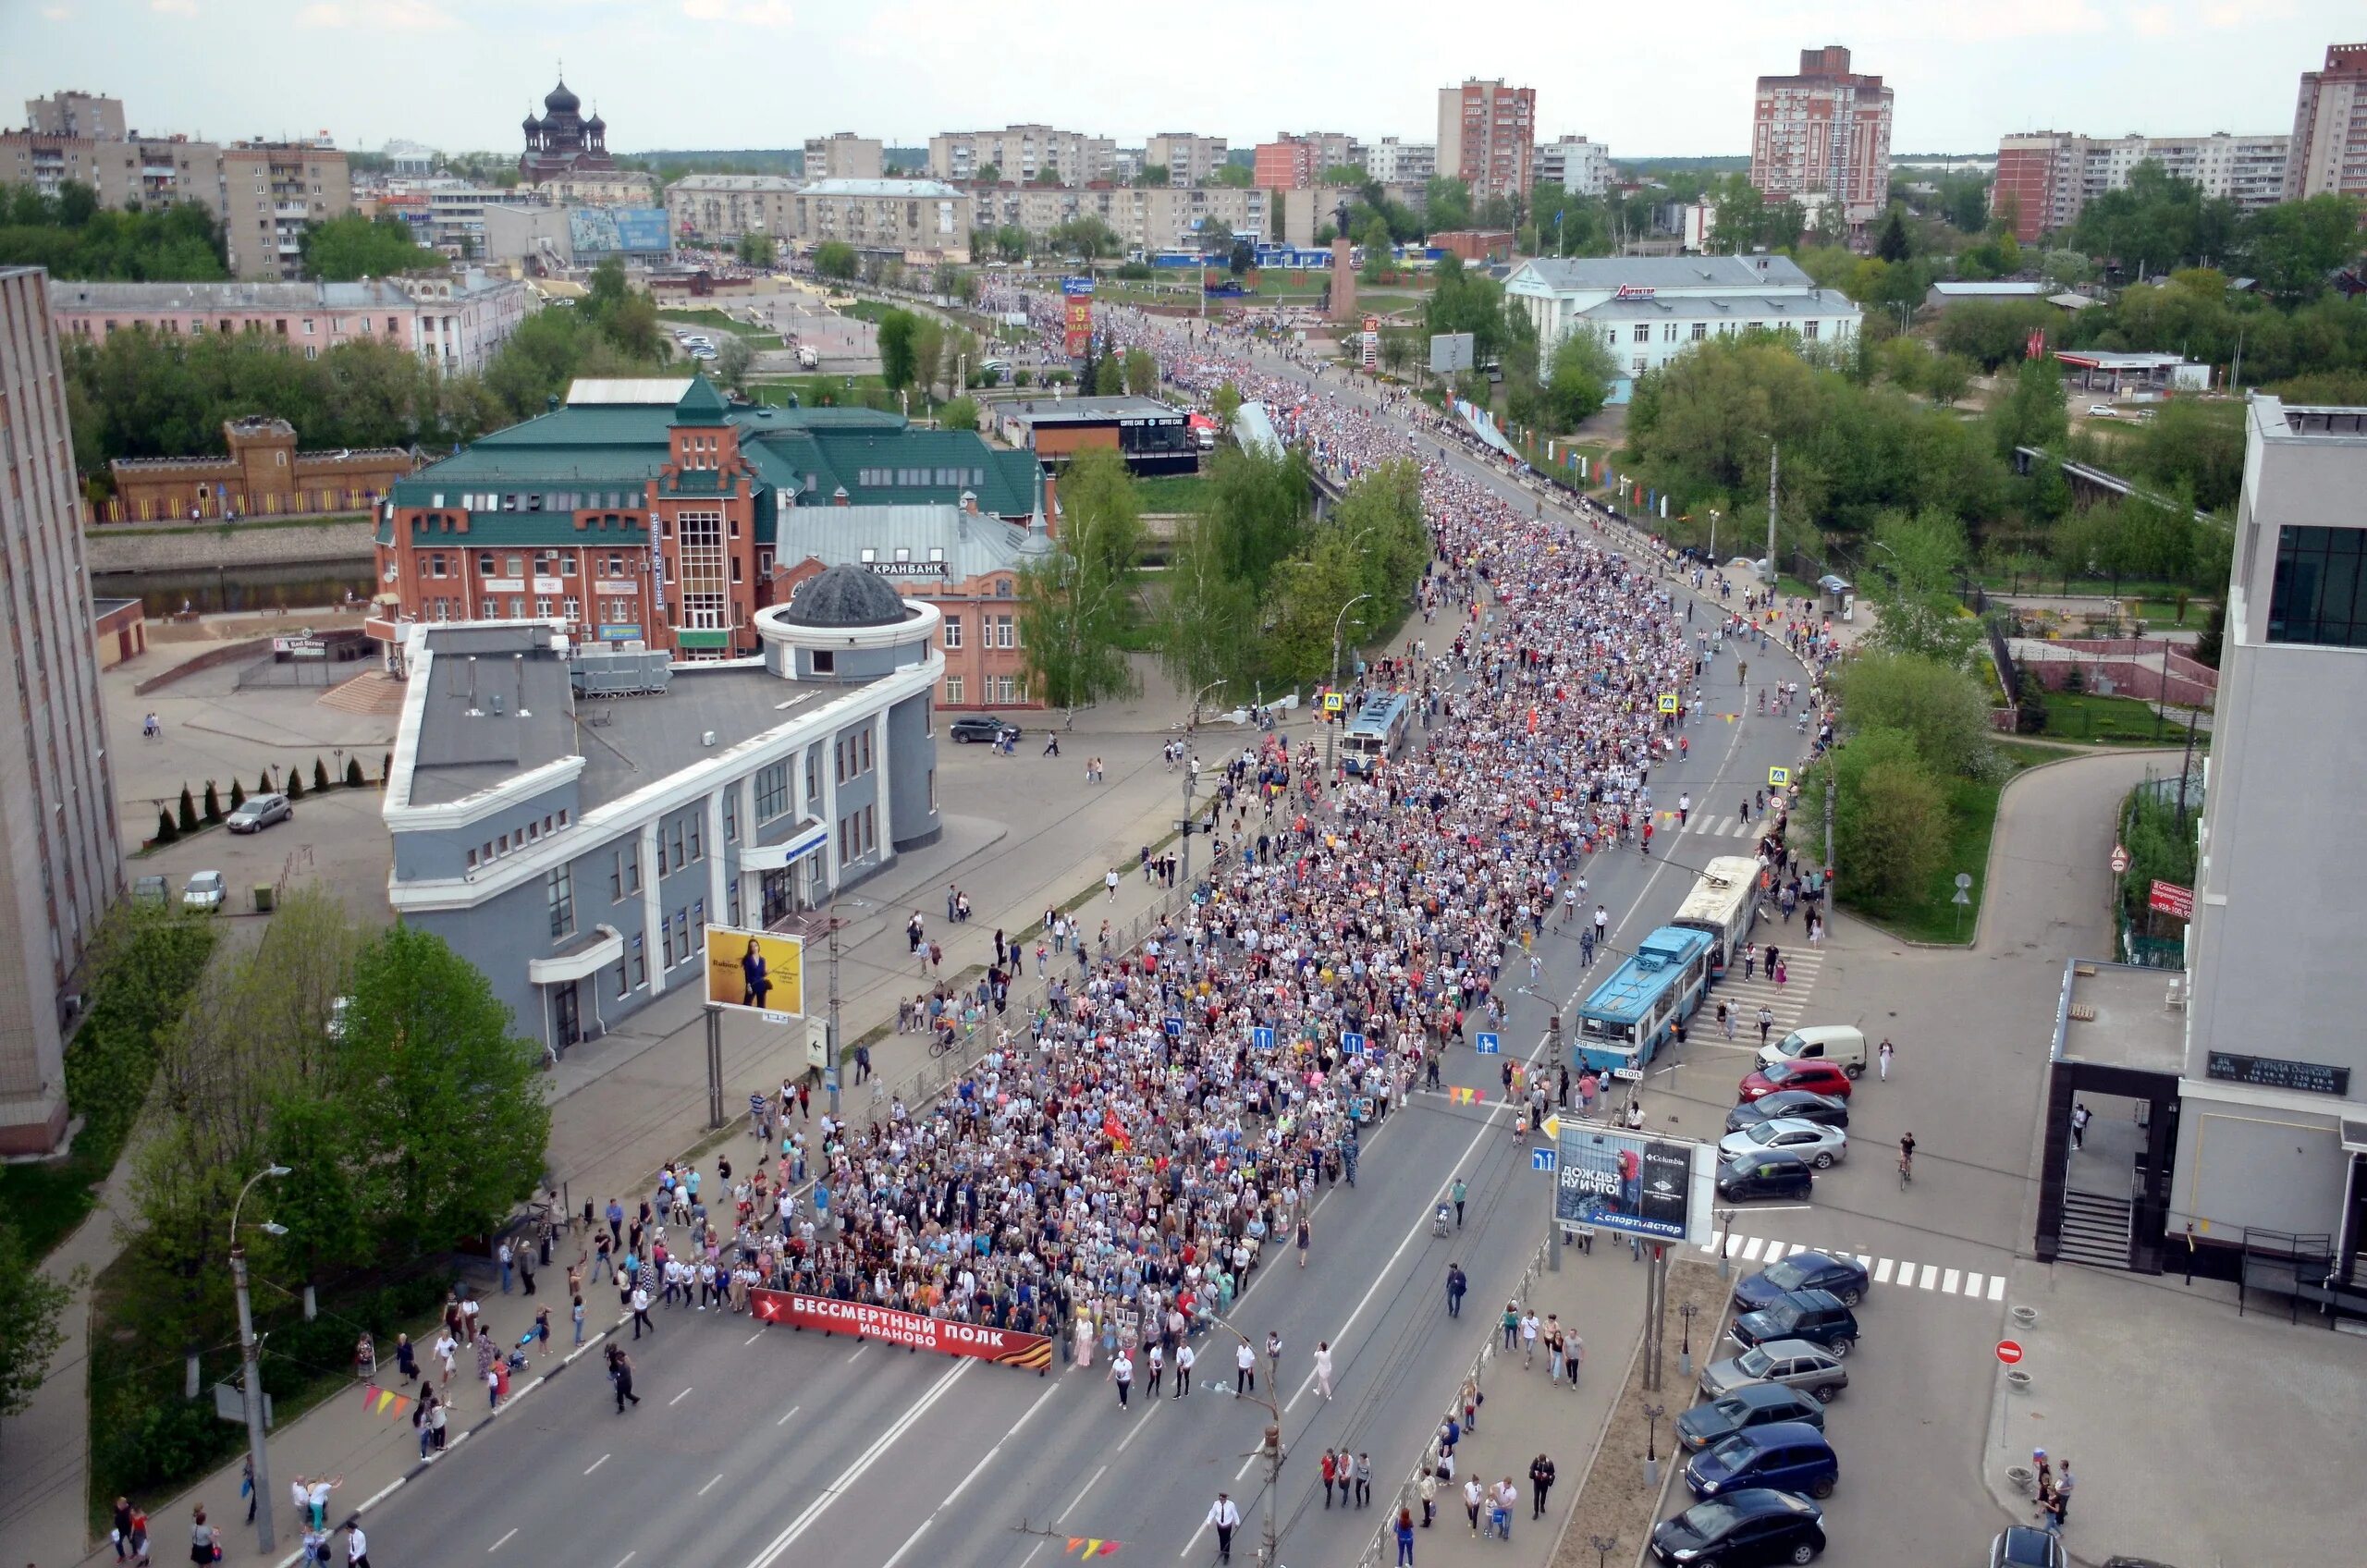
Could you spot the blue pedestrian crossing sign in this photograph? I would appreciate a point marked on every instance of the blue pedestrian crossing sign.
(1543, 1160)
(1261, 1037)
(1174, 1026)
(1777, 777)
(1488, 1045)
(1352, 1043)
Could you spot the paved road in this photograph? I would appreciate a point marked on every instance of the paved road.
(773, 1447)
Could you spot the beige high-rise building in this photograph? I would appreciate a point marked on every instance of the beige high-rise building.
(270, 191)
(60, 865)
(86, 115)
(1488, 137)
(2329, 147)
(1023, 154)
(844, 155)
(1826, 128)
(1188, 159)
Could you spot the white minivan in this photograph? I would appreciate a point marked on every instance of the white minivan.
(1837, 1043)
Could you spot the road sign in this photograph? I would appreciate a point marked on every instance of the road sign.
(2119, 859)
(1334, 701)
(1488, 1045)
(1261, 1037)
(1174, 1026)
(1964, 878)
(1777, 777)
(1352, 1043)
(1551, 1127)
(1668, 702)
(1544, 1159)
(1632, 1074)
(2008, 1351)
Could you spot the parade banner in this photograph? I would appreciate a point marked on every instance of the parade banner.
(913, 1330)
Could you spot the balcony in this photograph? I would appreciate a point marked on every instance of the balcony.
(289, 210)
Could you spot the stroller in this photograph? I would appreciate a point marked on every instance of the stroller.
(1438, 1220)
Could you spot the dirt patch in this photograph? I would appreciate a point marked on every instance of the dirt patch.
(1614, 1499)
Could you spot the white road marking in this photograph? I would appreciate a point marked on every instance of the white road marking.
(380, 1495)
(855, 1472)
(628, 1557)
(859, 1350)
(1930, 1272)
(1882, 1272)
(1750, 1248)
(1997, 1287)
(984, 1460)
(710, 1486)
(597, 1463)
(678, 1399)
(753, 1338)
(1972, 1286)
(792, 1410)
(499, 1544)
(1080, 1496)
(1031, 1555)
(1948, 1282)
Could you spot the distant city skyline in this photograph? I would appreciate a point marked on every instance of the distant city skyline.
(461, 77)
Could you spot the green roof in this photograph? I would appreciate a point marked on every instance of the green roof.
(701, 404)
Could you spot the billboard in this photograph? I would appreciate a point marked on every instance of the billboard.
(1636, 1183)
(1450, 351)
(1076, 301)
(913, 1330)
(755, 971)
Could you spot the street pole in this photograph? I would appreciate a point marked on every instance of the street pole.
(714, 1067)
(1770, 514)
(1187, 825)
(1333, 720)
(251, 1377)
(830, 1031)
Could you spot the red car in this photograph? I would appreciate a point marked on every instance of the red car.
(1818, 1077)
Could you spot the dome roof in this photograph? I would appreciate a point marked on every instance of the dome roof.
(845, 595)
(532, 125)
(561, 102)
(596, 122)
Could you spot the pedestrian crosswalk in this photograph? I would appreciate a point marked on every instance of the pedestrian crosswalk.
(1744, 996)
(1970, 1284)
(1719, 827)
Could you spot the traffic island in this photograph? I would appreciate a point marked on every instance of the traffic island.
(1623, 1492)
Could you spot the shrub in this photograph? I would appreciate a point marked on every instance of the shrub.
(166, 832)
(262, 783)
(212, 803)
(189, 812)
(295, 785)
(320, 774)
(164, 1442)
(353, 773)
(238, 794)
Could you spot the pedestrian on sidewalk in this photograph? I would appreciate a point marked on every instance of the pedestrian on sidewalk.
(1530, 1329)
(1540, 1480)
(1245, 1366)
(505, 1259)
(1882, 1067)
(1511, 1325)
(1459, 1191)
(1430, 1493)
(1472, 1500)
(1405, 1538)
(204, 1540)
(1364, 1480)
(1457, 1282)
(1323, 1368)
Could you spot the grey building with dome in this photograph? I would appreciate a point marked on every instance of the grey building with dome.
(571, 817)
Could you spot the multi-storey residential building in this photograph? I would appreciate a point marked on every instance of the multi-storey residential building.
(1155, 218)
(1488, 137)
(455, 217)
(2330, 128)
(149, 171)
(1295, 163)
(1650, 308)
(60, 863)
(454, 322)
(270, 191)
(1023, 153)
(920, 219)
(1393, 162)
(844, 155)
(719, 208)
(1575, 164)
(90, 116)
(1826, 128)
(1188, 159)
(2045, 178)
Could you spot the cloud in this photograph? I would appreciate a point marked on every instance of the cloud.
(747, 13)
(167, 7)
(389, 16)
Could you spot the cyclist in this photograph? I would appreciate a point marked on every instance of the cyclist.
(1907, 1155)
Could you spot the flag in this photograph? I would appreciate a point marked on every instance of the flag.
(1465, 1097)
(1086, 1546)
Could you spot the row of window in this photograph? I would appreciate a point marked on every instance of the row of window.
(997, 689)
(858, 834)
(1643, 330)
(1002, 631)
(509, 843)
(544, 500)
(851, 754)
(880, 478)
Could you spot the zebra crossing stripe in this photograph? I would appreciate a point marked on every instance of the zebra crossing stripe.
(1997, 1287)
(1948, 1282)
(1967, 1283)
(1882, 1272)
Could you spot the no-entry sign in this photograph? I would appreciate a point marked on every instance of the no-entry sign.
(2008, 1351)
(2119, 859)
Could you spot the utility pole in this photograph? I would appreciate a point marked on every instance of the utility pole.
(249, 1352)
(831, 1029)
(1771, 513)
(713, 1066)
(1186, 824)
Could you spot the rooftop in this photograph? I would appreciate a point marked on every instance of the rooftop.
(1577, 273)
(735, 182)
(911, 188)
(629, 743)
(1073, 411)
(371, 294)
(2119, 1016)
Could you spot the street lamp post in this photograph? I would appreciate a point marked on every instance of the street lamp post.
(248, 1349)
(1271, 1448)
(1332, 727)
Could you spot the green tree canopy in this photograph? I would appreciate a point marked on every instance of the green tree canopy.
(74, 237)
(1077, 610)
(1891, 816)
(897, 329)
(343, 249)
(1580, 380)
(835, 259)
(1944, 710)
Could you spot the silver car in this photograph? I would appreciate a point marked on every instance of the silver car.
(1820, 1146)
(1795, 1363)
(259, 811)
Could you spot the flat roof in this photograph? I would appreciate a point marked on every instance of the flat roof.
(629, 743)
(2131, 1023)
(1087, 410)
(2117, 359)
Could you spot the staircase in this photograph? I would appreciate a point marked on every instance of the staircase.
(2095, 1230)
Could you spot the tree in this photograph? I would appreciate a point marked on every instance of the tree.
(990, 173)
(1141, 371)
(758, 250)
(897, 354)
(929, 352)
(2032, 412)
(447, 1096)
(1446, 204)
(1946, 377)
(1890, 818)
(1892, 244)
(30, 1303)
(2155, 222)
(1580, 380)
(2295, 247)
(1225, 402)
(344, 249)
(836, 259)
(1206, 627)
(74, 237)
(1109, 376)
(1916, 564)
(1077, 610)
(1994, 331)
(187, 821)
(1944, 710)
(1153, 174)
(732, 359)
(1234, 176)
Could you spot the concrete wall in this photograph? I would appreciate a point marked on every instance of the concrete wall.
(912, 758)
(430, 855)
(181, 549)
(2241, 1165)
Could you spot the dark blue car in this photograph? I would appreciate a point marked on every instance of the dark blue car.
(1845, 1278)
(1817, 1316)
(1786, 1456)
(1742, 1529)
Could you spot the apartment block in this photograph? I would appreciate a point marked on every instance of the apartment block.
(2330, 128)
(1393, 162)
(1024, 153)
(844, 155)
(88, 115)
(1488, 137)
(1297, 163)
(1577, 164)
(1826, 128)
(2047, 177)
(918, 219)
(1155, 218)
(1188, 159)
(719, 208)
(60, 863)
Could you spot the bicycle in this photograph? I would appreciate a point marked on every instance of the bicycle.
(1905, 1171)
(943, 1043)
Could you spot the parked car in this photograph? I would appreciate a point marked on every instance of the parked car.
(1817, 1316)
(1753, 1405)
(1787, 1455)
(1799, 1105)
(1843, 1278)
(1821, 1077)
(152, 890)
(1767, 1174)
(259, 811)
(1820, 1146)
(1795, 1363)
(206, 889)
(1743, 1529)
(2024, 1546)
(1837, 1043)
(975, 726)
(2101, 410)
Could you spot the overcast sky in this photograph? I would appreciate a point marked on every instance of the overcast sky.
(1645, 78)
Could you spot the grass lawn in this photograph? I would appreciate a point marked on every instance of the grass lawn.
(1933, 916)
(1170, 491)
(872, 311)
(703, 318)
(46, 1201)
(2120, 720)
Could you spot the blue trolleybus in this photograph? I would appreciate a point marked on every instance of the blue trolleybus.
(1625, 1018)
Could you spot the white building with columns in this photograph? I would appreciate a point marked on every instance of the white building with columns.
(1650, 308)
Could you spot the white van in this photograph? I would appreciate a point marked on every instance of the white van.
(1837, 1043)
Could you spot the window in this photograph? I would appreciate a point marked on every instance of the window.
(435, 564)
(2320, 592)
(1638, 364)
(701, 562)
(698, 827)
(1003, 631)
(1700, 330)
(932, 789)
(671, 847)
(1643, 332)
(624, 873)
(624, 983)
(1809, 330)
(558, 890)
(953, 632)
(732, 815)
(772, 790)
(1668, 332)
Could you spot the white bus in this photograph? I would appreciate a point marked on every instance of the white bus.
(1723, 903)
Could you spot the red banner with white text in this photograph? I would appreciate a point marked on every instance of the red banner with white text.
(1004, 1347)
